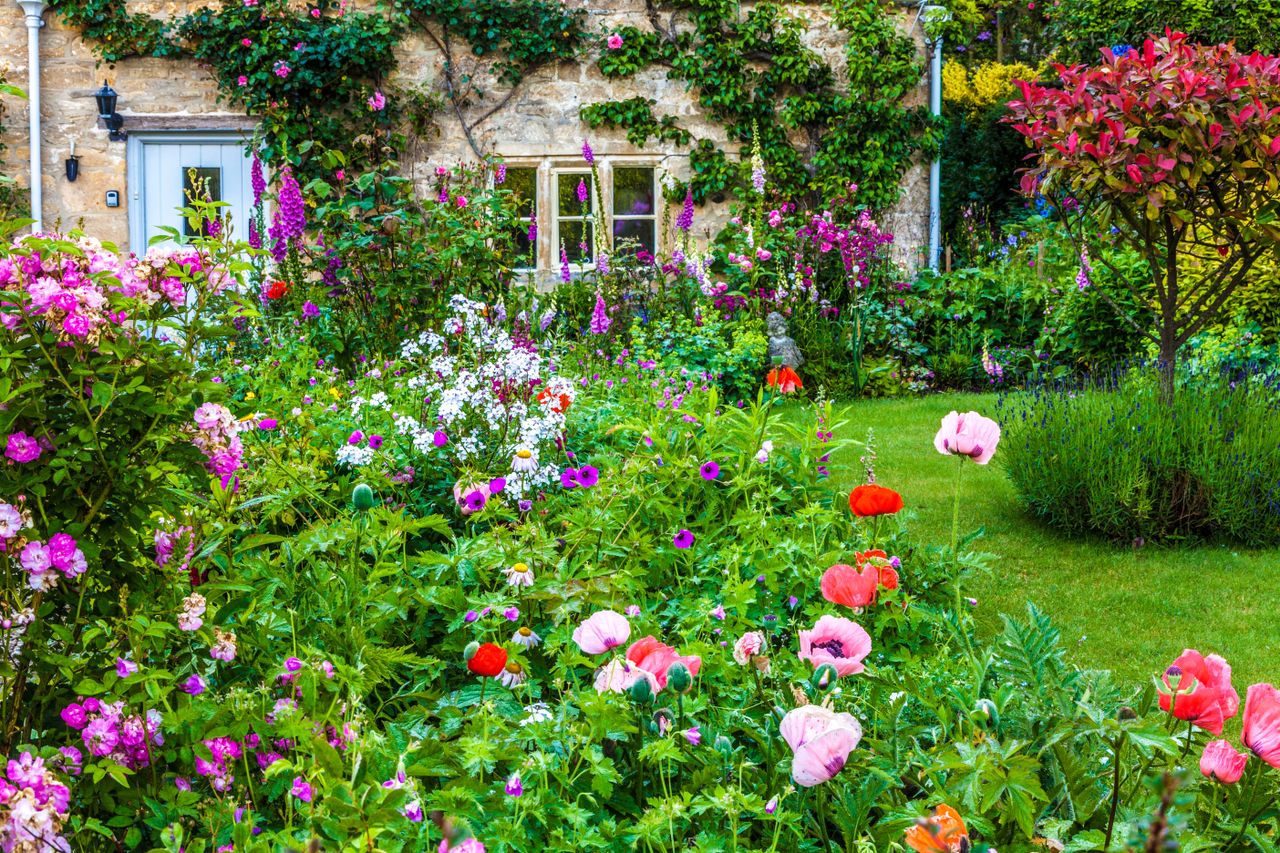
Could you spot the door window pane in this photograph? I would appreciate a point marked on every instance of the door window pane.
(633, 191)
(199, 183)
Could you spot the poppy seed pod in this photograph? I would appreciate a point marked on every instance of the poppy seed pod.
(679, 678)
(362, 497)
(984, 712)
(470, 651)
(824, 677)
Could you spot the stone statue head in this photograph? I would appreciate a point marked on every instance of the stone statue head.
(776, 324)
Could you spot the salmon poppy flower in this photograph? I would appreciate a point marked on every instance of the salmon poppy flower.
(941, 832)
(1222, 763)
(655, 657)
(840, 642)
(1262, 722)
(843, 584)
(1198, 689)
(488, 661)
(870, 500)
(820, 741)
(784, 379)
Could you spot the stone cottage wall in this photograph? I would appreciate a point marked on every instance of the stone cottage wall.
(541, 120)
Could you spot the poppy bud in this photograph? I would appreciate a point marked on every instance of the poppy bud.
(362, 497)
(470, 651)
(985, 711)
(824, 676)
(723, 745)
(641, 693)
(679, 677)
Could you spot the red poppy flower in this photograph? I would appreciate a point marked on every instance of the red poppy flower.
(872, 500)
(942, 832)
(785, 379)
(488, 660)
(277, 289)
(558, 403)
(1198, 689)
(843, 584)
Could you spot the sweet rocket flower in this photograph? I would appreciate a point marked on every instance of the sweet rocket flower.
(870, 500)
(21, 447)
(1221, 763)
(1262, 723)
(683, 539)
(1198, 689)
(840, 642)
(602, 631)
(709, 470)
(969, 435)
(820, 741)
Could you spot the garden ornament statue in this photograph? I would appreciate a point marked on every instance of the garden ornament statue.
(782, 348)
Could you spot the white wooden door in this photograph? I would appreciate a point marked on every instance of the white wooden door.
(162, 170)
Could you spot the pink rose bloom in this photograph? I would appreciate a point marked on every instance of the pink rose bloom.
(601, 631)
(820, 741)
(1262, 722)
(656, 658)
(969, 435)
(377, 101)
(22, 447)
(747, 647)
(838, 641)
(614, 42)
(1222, 763)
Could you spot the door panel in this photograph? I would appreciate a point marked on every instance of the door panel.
(163, 165)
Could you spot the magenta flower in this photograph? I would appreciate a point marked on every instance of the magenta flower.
(588, 476)
(600, 321)
(377, 101)
(587, 153)
(614, 42)
(582, 191)
(820, 741)
(684, 221)
(310, 310)
(194, 685)
(709, 470)
(355, 438)
(282, 69)
(693, 735)
(125, 668)
(514, 787)
(375, 441)
(474, 501)
(74, 716)
(602, 631)
(569, 478)
(440, 439)
(497, 485)
(566, 275)
(301, 789)
(22, 447)
(683, 539)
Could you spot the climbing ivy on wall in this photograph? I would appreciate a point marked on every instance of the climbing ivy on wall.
(753, 70)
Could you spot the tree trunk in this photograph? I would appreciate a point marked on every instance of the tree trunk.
(1168, 362)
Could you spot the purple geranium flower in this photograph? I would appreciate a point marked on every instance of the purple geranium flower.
(588, 476)
(683, 539)
(569, 478)
(474, 501)
(709, 470)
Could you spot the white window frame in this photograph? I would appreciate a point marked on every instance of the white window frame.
(525, 219)
(592, 218)
(655, 216)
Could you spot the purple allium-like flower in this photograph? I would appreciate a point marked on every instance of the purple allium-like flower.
(685, 220)
(587, 153)
(22, 447)
(587, 476)
(600, 321)
(709, 470)
(683, 539)
(440, 439)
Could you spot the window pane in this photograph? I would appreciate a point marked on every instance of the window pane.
(524, 249)
(199, 183)
(520, 181)
(633, 191)
(633, 231)
(573, 236)
(567, 193)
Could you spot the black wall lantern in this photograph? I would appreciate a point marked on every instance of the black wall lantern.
(106, 98)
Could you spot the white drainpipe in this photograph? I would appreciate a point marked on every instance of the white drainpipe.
(932, 16)
(34, 11)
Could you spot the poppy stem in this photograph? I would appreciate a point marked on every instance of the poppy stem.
(1250, 814)
(822, 818)
(1117, 749)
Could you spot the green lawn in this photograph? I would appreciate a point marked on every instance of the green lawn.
(1131, 611)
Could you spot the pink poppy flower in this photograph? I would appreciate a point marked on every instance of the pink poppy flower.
(820, 741)
(603, 630)
(969, 435)
(748, 646)
(1222, 763)
(843, 584)
(656, 657)
(1262, 722)
(618, 675)
(1198, 689)
(838, 641)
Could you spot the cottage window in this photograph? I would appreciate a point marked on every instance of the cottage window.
(635, 206)
(574, 231)
(522, 181)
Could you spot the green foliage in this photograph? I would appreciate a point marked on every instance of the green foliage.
(1118, 461)
(118, 33)
(636, 115)
(1078, 29)
(13, 200)
(731, 354)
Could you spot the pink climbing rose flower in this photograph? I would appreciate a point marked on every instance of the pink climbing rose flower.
(614, 42)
